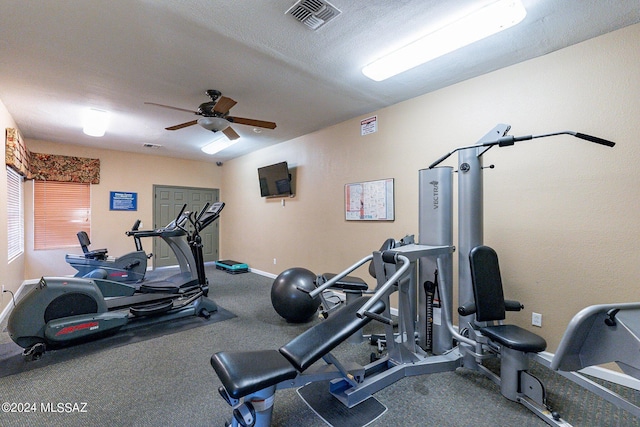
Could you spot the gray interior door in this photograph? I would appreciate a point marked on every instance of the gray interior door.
(168, 202)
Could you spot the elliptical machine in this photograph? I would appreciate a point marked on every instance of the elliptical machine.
(60, 311)
(95, 263)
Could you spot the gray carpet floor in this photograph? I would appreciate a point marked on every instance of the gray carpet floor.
(168, 381)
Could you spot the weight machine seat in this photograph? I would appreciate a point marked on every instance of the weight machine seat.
(246, 372)
(490, 304)
(515, 337)
(347, 283)
(83, 238)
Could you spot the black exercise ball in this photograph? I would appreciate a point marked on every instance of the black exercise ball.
(289, 301)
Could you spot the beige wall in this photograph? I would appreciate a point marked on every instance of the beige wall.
(561, 212)
(131, 172)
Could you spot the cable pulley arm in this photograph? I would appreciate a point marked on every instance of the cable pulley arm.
(508, 140)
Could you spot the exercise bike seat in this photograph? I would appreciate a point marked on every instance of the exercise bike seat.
(83, 238)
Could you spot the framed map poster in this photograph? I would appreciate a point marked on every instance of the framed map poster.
(369, 201)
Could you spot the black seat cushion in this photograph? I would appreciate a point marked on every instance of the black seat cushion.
(315, 342)
(487, 284)
(245, 372)
(347, 283)
(99, 254)
(515, 337)
(83, 238)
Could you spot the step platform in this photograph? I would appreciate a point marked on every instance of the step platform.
(232, 267)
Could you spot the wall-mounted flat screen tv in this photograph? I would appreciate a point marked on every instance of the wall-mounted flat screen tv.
(275, 180)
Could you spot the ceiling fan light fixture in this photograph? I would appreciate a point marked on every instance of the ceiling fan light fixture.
(218, 145)
(95, 122)
(482, 23)
(213, 123)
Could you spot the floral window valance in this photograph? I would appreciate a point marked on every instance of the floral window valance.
(16, 154)
(52, 167)
(49, 167)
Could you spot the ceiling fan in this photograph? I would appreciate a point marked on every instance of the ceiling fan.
(215, 116)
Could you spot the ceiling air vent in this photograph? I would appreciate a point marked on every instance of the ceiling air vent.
(313, 13)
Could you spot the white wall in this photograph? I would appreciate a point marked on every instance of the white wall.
(11, 274)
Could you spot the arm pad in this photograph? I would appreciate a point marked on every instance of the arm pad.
(511, 305)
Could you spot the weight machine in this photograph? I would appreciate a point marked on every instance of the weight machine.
(423, 341)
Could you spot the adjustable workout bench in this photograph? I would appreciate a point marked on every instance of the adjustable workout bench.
(250, 378)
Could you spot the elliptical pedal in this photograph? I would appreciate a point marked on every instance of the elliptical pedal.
(151, 309)
(34, 352)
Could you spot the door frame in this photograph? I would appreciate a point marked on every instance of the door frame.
(211, 253)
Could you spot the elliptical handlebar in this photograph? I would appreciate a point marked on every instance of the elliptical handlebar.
(207, 216)
(179, 220)
(172, 227)
(202, 219)
(196, 220)
(204, 209)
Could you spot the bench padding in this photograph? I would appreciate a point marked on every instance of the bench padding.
(347, 283)
(515, 337)
(311, 345)
(246, 372)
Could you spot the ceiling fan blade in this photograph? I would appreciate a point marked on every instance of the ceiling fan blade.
(230, 133)
(252, 122)
(173, 108)
(223, 105)
(182, 125)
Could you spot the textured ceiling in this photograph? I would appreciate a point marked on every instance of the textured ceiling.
(64, 56)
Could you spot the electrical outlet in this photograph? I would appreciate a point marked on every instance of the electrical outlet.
(3, 289)
(274, 261)
(536, 319)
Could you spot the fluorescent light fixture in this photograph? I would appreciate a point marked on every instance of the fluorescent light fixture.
(95, 122)
(218, 145)
(482, 23)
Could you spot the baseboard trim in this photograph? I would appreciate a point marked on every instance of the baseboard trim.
(263, 273)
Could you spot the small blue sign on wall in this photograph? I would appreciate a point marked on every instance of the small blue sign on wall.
(123, 201)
